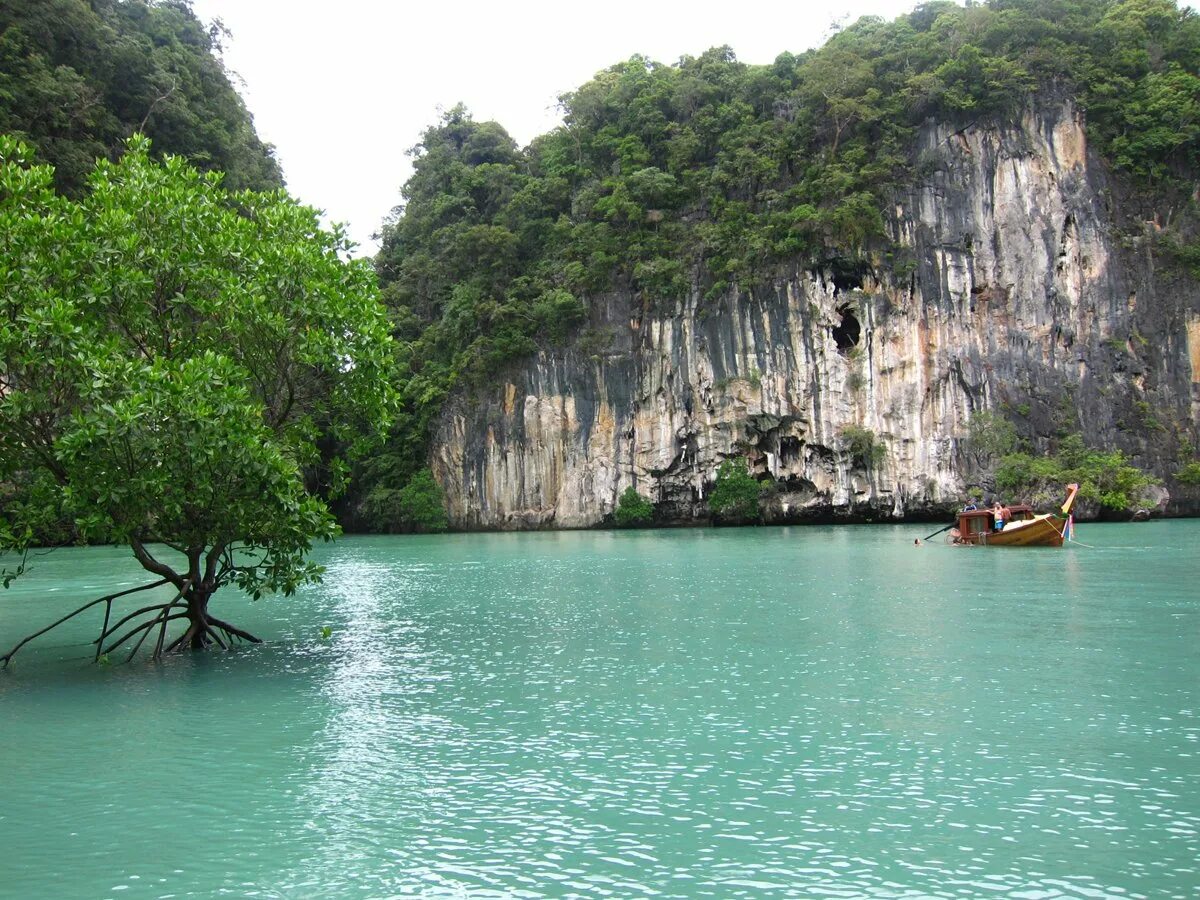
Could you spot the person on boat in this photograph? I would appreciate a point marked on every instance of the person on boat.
(1001, 514)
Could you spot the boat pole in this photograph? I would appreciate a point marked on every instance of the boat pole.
(939, 531)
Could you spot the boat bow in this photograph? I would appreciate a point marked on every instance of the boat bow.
(1072, 490)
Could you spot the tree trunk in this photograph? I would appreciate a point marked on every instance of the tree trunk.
(197, 634)
(204, 630)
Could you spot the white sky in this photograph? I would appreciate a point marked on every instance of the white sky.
(344, 89)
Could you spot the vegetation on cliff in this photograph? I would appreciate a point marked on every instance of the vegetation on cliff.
(735, 494)
(863, 446)
(174, 356)
(1105, 478)
(419, 506)
(78, 77)
(707, 174)
(633, 510)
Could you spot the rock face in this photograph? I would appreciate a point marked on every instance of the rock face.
(1011, 291)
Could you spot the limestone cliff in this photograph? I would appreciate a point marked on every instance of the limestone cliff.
(1011, 288)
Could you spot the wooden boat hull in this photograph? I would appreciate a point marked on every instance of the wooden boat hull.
(1025, 529)
(1046, 530)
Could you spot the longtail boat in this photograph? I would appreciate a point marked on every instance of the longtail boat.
(1025, 529)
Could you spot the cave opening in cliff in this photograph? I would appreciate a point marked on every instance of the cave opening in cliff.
(847, 274)
(847, 333)
(789, 449)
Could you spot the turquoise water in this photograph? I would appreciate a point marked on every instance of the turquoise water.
(737, 713)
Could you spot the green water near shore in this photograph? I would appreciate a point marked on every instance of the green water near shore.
(751, 712)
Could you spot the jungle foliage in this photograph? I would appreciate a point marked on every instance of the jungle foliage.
(991, 436)
(1106, 478)
(78, 77)
(696, 177)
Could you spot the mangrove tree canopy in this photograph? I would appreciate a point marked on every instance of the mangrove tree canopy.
(172, 357)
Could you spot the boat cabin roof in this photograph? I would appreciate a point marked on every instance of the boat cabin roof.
(1018, 510)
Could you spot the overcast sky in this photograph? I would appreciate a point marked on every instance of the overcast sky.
(345, 90)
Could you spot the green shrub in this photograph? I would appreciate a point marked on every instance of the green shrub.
(1145, 412)
(863, 446)
(1189, 474)
(990, 435)
(735, 495)
(1038, 479)
(1106, 478)
(633, 509)
(421, 504)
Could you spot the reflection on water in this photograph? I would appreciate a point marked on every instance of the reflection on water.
(816, 712)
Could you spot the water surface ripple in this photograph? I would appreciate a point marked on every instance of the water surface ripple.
(818, 712)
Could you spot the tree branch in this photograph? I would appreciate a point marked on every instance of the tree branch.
(159, 539)
(210, 565)
(227, 565)
(8, 575)
(150, 564)
(154, 105)
(193, 558)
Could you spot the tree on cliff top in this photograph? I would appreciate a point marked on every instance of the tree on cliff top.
(170, 354)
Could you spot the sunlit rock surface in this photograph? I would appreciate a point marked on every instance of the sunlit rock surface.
(1011, 291)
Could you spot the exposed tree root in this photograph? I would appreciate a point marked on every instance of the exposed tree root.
(202, 631)
(107, 601)
(234, 632)
(201, 634)
(212, 633)
(106, 633)
(180, 641)
(145, 627)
